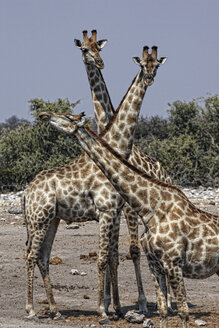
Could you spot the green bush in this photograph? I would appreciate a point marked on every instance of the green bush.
(184, 159)
(30, 148)
(190, 153)
(186, 142)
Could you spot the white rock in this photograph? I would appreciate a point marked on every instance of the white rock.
(200, 322)
(134, 317)
(83, 273)
(75, 272)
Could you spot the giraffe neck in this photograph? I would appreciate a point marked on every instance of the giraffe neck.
(126, 179)
(106, 112)
(103, 108)
(119, 133)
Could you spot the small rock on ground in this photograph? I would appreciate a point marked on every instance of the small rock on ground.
(148, 324)
(134, 317)
(74, 272)
(15, 210)
(200, 323)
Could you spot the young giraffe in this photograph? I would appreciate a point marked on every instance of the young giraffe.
(79, 191)
(104, 110)
(180, 240)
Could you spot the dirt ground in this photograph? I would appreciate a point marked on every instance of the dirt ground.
(76, 295)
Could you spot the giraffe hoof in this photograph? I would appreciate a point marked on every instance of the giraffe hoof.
(107, 303)
(142, 306)
(104, 321)
(58, 316)
(32, 317)
(118, 316)
(143, 312)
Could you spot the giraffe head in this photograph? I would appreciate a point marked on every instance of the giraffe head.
(90, 48)
(64, 122)
(149, 64)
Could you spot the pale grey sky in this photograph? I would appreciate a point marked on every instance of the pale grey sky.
(38, 57)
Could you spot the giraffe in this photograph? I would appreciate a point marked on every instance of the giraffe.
(73, 193)
(180, 240)
(104, 110)
(90, 48)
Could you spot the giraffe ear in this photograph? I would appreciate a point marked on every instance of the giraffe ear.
(140, 76)
(137, 60)
(162, 60)
(84, 120)
(101, 43)
(77, 43)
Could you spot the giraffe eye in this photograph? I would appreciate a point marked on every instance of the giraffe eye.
(84, 50)
(69, 118)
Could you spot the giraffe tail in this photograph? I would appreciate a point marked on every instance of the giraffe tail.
(23, 203)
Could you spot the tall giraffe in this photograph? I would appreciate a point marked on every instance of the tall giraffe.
(104, 110)
(180, 240)
(79, 191)
(90, 48)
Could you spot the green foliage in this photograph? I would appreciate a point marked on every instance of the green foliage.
(38, 105)
(182, 118)
(186, 143)
(150, 127)
(190, 153)
(28, 149)
(211, 118)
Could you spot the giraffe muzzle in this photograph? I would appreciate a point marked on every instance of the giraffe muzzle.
(149, 81)
(99, 63)
(44, 116)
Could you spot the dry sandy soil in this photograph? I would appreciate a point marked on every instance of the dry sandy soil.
(76, 295)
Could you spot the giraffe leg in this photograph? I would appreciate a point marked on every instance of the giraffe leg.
(30, 265)
(107, 289)
(31, 260)
(114, 262)
(176, 280)
(132, 222)
(105, 226)
(169, 297)
(43, 264)
(161, 295)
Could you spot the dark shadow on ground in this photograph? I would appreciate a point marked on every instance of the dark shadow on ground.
(152, 313)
